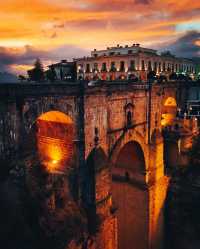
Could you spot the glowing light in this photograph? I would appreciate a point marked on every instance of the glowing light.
(55, 116)
(170, 102)
(167, 119)
(55, 140)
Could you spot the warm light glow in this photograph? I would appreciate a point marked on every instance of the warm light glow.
(167, 119)
(169, 111)
(54, 161)
(170, 102)
(55, 116)
(55, 140)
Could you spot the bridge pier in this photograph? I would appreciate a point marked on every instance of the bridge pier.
(139, 190)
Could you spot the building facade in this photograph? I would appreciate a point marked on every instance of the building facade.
(64, 70)
(130, 62)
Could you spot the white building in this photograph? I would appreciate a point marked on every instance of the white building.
(130, 61)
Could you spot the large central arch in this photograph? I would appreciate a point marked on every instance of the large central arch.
(130, 197)
(130, 161)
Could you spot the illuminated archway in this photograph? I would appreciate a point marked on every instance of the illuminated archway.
(130, 197)
(49, 171)
(131, 161)
(54, 136)
(169, 111)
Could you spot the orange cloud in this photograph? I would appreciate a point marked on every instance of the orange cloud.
(47, 24)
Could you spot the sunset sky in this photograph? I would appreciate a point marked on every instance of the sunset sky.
(63, 29)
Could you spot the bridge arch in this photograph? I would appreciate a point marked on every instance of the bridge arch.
(129, 137)
(49, 159)
(130, 161)
(130, 196)
(55, 135)
(31, 110)
(51, 138)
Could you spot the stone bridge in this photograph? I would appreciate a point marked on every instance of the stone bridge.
(112, 135)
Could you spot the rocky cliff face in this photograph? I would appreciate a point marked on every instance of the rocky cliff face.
(42, 216)
(182, 210)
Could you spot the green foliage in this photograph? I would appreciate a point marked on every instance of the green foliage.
(51, 74)
(21, 78)
(37, 73)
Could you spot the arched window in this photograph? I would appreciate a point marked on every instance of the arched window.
(128, 108)
(129, 118)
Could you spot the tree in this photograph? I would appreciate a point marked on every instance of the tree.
(37, 73)
(51, 74)
(21, 78)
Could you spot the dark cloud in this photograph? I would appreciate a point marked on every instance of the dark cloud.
(10, 56)
(27, 55)
(186, 45)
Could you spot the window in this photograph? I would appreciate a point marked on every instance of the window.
(164, 66)
(155, 67)
(132, 65)
(129, 118)
(122, 67)
(168, 67)
(112, 67)
(130, 51)
(149, 66)
(95, 69)
(87, 68)
(104, 69)
(80, 70)
(143, 65)
(159, 67)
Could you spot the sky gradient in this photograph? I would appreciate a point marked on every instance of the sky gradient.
(54, 30)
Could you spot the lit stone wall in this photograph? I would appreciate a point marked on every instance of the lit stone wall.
(157, 197)
(105, 125)
(95, 116)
